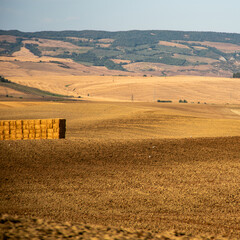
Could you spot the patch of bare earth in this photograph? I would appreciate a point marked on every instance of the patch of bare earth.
(172, 44)
(225, 47)
(8, 38)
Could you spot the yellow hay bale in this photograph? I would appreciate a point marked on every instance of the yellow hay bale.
(19, 122)
(13, 132)
(31, 126)
(25, 122)
(6, 123)
(57, 130)
(6, 137)
(38, 135)
(12, 124)
(43, 121)
(44, 131)
(37, 121)
(31, 136)
(56, 135)
(56, 121)
(44, 135)
(25, 136)
(25, 126)
(49, 130)
(5, 127)
(37, 126)
(43, 126)
(19, 131)
(25, 131)
(32, 131)
(6, 132)
(19, 136)
(49, 135)
(49, 123)
(12, 137)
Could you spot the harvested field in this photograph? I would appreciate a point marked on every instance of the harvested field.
(172, 44)
(8, 38)
(128, 88)
(122, 166)
(189, 185)
(225, 47)
(113, 120)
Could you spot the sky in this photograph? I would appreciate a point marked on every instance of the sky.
(120, 15)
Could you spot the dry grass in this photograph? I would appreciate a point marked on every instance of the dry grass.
(201, 70)
(144, 89)
(196, 58)
(8, 38)
(172, 44)
(99, 120)
(225, 47)
(11, 92)
(53, 43)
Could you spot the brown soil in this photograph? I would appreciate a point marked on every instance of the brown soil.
(117, 168)
(13, 227)
(189, 185)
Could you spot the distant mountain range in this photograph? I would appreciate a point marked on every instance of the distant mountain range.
(146, 52)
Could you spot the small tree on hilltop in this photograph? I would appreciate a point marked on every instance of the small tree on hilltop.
(236, 75)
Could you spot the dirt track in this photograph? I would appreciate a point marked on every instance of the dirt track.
(189, 185)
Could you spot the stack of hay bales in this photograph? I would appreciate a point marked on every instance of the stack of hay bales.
(32, 129)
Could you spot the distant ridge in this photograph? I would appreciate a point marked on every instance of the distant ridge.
(154, 35)
(151, 52)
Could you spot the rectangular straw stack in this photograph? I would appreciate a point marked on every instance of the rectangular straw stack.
(32, 129)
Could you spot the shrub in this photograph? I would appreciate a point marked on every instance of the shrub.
(236, 75)
(183, 101)
(164, 101)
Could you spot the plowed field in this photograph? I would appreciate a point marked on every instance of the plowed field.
(127, 165)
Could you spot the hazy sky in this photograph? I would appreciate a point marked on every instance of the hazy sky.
(120, 15)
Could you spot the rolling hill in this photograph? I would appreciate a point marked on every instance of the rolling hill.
(124, 66)
(157, 53)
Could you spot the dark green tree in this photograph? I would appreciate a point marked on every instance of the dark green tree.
(236, 75)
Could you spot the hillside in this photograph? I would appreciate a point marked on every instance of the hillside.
(157, 53)
(12, 91)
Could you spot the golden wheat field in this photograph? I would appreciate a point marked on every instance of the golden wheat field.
(148, 166)
(63, 76)
(138, 89)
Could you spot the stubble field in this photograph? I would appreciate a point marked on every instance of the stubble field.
(149, 166)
